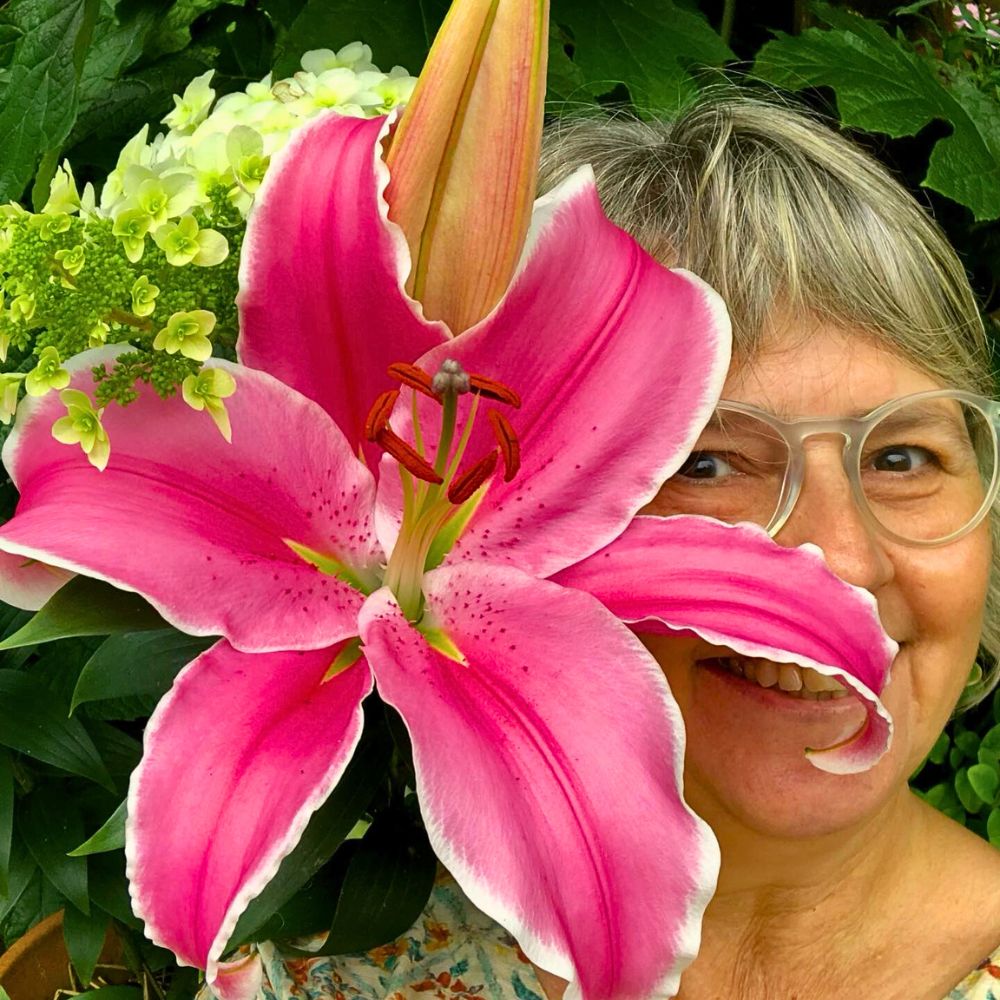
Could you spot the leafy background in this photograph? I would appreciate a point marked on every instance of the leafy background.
(78, 78)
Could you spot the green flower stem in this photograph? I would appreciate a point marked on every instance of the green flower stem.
(129, 319)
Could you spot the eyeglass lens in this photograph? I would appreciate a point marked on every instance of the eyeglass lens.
(925, 469)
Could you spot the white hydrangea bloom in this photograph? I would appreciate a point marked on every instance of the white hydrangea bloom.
(225, 145)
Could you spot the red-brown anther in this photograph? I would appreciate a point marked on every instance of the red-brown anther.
(510, 447)
(492, 389)
(378, 416)
(470, 480)
(407, 457)
(414, 377)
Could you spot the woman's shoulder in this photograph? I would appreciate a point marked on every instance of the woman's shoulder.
(983, 983)
(453, 951)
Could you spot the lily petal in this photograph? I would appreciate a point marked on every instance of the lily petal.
(321, 299)
(198, 526)
(240, 979)
(28, 583)
(466, 214)
(596, 349)
(603, 872)
(734, 586)
(264, 741)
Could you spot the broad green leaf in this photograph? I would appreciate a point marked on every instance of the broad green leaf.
(32, 899)
(6, 817)
(109, 887)
(989, 746)
(137, 663)
(39, 99)
(881, 85)
(86, 607)
(651, 46)
(387, 883)
(394, 28)
(968, 743)
(110, 837)
(120, 752)
(971, 802)
(942, 796)
(33, 723)
(965, 166)
(4, 995)
(985, 781)
(328, 827)
(114, 993)
(49, 822)
(183, 984)
(84, 937)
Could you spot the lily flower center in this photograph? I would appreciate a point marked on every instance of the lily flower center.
(440, 491)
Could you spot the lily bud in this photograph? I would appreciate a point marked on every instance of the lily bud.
(465, 215)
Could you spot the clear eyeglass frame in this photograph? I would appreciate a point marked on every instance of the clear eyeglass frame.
(855, 431)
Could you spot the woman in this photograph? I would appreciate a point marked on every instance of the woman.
(844, 298)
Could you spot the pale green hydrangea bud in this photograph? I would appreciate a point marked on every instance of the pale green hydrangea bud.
(144, 296)
(188, 333)
(82, 425)
(192, 107)
(63, 195)
(98, 334)
(10, 389)
(184, 243)
(206, 391)
(48, 374)
(72, 260)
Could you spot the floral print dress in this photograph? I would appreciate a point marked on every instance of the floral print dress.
(456, 952)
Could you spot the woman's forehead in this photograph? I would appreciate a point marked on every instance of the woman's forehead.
(823, 370)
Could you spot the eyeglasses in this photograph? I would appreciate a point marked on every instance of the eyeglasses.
(923, 468)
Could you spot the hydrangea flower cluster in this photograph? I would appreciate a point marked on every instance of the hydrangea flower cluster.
(150, 262)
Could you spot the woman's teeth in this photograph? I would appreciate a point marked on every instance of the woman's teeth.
(797, 682)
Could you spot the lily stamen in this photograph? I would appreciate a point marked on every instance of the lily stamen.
(413, 377)
(378, 416)
(492, 389)
(407, 456)
(506, 438)
(470, 480)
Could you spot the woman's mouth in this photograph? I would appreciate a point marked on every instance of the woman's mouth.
(785, 678)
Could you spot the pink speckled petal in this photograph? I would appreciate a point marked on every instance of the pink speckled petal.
(618, 362)
(196, 525)
(321, 300)
(735, 587)
(602, 872)
(238, 755)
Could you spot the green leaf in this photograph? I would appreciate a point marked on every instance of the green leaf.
(4, 995)
(38, 101)
(137, 663)
(993, 827)
(50, 823)
(110, 837)
(33, 897)
(968, 743)
(84, 936)
(989, 746)
(985, 781)
(943, 797)
(387, 884)
(651, 46)
(883, 86)
(940, 749)
(965, 792)
(183, 984)
(109, 887)
(86, 607)
(395, 29)
(6, 817)
(34, 723)
(328, 827)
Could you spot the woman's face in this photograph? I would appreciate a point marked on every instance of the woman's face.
(745, 743)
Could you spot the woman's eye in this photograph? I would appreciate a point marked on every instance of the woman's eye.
(901, 458)
(704, 465)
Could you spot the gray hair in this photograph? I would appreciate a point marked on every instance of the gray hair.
(778, 212)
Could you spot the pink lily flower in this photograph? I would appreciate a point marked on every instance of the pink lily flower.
(547, 747)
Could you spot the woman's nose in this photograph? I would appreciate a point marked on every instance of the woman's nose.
(827, 515)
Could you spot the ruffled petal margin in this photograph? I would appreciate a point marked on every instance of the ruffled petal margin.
(238, 755)
(603, 873)
(734, 586)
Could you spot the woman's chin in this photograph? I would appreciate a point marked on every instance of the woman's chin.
(746, 757)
